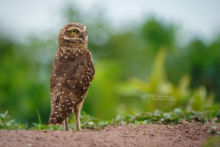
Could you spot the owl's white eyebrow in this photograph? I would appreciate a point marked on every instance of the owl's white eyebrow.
(84, 28)
(71, 28)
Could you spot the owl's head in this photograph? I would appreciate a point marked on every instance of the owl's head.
(73, 34)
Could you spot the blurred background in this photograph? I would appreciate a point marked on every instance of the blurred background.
(148, 55)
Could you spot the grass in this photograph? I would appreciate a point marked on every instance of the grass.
(7, 123)
(159, 117)
(213, 141)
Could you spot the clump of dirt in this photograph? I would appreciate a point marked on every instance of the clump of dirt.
(184, 134)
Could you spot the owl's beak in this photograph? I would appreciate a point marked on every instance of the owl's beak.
(83, 35)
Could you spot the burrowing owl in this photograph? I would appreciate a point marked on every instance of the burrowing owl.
(72, 73)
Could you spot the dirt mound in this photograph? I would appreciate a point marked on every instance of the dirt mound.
(185, 134)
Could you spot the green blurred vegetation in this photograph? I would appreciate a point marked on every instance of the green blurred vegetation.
(213, 142)
(140, 68)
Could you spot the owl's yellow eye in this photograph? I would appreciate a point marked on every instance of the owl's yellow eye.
(74, 31)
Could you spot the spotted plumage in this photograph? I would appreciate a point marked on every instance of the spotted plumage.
(71, 75)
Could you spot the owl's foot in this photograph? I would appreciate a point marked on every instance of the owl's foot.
(78, 128)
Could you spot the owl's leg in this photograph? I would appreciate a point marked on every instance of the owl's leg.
(66, 124)
(77, 117)
(77, 110)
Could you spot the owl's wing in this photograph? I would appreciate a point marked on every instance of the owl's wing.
(79, 78)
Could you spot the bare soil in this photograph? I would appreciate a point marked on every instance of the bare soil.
(155, 135)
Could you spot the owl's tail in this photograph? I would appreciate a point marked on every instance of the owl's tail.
(56, 119)
(58, 115)
(60, 110)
